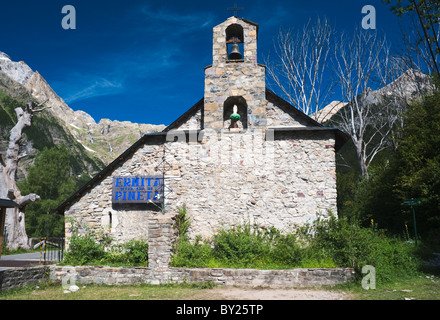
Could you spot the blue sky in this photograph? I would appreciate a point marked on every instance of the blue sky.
(142, 60)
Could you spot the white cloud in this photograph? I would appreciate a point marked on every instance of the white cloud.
(94, 86)
(189, 21)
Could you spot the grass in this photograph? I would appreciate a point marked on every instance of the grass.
(53, 291)
(422, 287)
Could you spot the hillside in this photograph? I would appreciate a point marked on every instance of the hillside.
(93, 144)
(46, 131)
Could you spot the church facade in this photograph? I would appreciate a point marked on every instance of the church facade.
(240, 155)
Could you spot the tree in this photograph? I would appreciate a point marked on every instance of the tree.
(301, 64)
(413, 171)
(427, 12)
(419, 160)
(312, 65)
(362, 63)
(15, 217)
(51, 178)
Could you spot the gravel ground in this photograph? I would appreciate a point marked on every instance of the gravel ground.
(277, 294)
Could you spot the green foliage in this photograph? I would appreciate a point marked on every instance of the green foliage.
(412, 171)
(418, 160)
(350, 245)
(326, 243)
(192, 255)
(91, 248)
(133, 252)
(240, 246)
(83, 249)
(50, 178)
(182, 225)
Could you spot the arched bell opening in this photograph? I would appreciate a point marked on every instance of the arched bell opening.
(234, 42)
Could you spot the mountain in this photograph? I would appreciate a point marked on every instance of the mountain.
(405, 90)
(18, 71)
(93, 144)
(409, 86)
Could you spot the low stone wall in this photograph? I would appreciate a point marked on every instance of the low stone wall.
(225, 277)
(22, 277)
(101, 275)
(293, 278)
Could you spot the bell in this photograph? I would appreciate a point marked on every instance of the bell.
(235, 52)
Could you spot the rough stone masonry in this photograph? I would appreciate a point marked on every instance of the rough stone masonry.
(269, 165)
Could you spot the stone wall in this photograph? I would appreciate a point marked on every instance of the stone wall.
(233, 179)
(21, 277)
(293, 278)
(223, 180)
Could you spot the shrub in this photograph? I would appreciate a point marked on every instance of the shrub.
(350, 245)
(84, 249)
(286, 251)
(326, 243)
(131, 253)
(241, 246)
(98, 248)
(191, 255)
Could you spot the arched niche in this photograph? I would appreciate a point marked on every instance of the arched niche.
(228, 109)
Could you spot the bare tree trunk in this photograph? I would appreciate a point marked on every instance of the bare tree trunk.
(15, 217)
(362, 63)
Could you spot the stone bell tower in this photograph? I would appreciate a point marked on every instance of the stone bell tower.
(235, 82)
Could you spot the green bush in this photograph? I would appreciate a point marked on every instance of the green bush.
(326, 243)
(190, 255)
(131, 253)
(350, 245)
(136, 252)
(286, 251)
(83, 249)
(241, 246)
(97, 248)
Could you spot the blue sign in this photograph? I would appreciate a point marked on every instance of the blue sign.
(137, 189)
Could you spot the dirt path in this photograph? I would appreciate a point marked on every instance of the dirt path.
(277, 294)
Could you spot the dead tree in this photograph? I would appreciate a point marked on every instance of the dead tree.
(362, 63)
(15, 217)
(300, 66)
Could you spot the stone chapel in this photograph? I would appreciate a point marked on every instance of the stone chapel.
(239, 155)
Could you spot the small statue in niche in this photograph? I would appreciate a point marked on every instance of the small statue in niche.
(234, 123)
